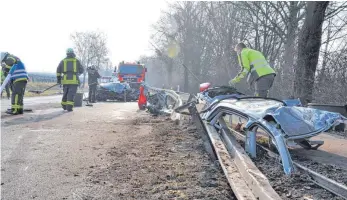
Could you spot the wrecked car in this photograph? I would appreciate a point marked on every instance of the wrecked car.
(286, 122)
(116, 91)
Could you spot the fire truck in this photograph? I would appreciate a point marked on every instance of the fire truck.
(131, 72)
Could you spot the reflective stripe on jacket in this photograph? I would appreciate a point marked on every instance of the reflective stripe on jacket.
(18, 72)
(254, 65)
(68, 70)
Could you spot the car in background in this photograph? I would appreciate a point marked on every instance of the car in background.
(116, 91)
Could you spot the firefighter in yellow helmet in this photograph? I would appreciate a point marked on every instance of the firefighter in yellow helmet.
(256, 68)
(68, 72)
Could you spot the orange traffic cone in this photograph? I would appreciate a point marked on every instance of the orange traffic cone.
(142, 102)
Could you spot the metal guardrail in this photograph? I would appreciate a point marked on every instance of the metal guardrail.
(322, 181)
(245, 179)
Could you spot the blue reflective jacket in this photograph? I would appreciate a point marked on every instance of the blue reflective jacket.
(18, 72)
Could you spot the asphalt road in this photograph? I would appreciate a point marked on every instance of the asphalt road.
(30, 101)
(46, 154)
(43, 102)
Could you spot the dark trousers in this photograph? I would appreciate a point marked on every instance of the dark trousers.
(92, 93)
(69, 92)
(18, 90)
(263, 85)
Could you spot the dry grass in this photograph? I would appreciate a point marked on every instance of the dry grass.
(41, 86)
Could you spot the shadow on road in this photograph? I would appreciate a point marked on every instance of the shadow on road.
(30, 118)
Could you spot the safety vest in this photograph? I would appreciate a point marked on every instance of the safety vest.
(254, 63)
(18, 72)
(70, 71)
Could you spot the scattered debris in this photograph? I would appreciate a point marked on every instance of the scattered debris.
(166, 163)
(296, 186)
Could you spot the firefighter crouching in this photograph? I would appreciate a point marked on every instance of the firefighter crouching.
(67, 75)
(19, 79)
(93, 76)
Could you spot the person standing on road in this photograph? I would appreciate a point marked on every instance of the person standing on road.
(19, 79)
(67, 74)
(93, 76)
(256, 68)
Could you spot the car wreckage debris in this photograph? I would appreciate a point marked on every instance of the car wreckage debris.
(277, 118)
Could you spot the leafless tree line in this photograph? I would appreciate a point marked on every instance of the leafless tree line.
(91, 48)
(304, 41)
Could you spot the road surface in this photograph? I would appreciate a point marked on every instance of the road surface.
(40, 102)
(32, 101)
(108, 151)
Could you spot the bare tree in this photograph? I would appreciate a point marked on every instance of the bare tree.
(91, 48)
(308, 50)
(208, 31)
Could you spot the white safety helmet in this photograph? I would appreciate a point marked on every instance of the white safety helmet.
(69, 51)
(3, 55)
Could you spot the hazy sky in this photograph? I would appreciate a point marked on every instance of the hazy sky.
(38, 31)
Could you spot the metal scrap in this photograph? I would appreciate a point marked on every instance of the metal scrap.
(286, 122)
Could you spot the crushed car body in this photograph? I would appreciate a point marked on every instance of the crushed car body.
(286, 122)
(116, 91)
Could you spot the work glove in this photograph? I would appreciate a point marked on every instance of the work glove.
(59, 80)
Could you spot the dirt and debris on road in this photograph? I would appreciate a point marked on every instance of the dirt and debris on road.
(299, 184)
(167, 162)
(109, 151)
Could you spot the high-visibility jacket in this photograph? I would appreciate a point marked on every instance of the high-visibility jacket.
(253, 65)
(68, 70)
(16, 68)
(18, 72)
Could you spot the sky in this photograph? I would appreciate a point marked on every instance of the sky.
(38, 31)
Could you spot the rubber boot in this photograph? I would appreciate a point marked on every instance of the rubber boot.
(12, 112)
(69, 108)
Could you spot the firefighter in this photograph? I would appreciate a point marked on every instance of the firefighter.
(93, 76)
(256, 68)
(4, 71)
(68, 72)
(19, 79)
